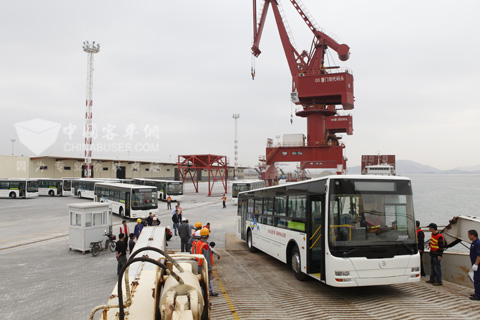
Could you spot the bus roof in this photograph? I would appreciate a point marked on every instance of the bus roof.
(338, 177)
(124, 185)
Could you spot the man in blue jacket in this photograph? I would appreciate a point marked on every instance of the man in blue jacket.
(138, 228)
(475, 259)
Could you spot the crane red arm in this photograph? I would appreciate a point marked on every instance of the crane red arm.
(297, 62)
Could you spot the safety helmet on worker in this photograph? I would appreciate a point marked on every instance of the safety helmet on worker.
(204, 232)
(197, 234)
(198, 225)
(139, 220)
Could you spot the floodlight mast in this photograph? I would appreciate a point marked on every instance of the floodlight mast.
(90, 49)
(235, 171)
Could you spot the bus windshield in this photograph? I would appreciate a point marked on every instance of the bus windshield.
(364, 215)
(174, 188)
(238, 188)
(144, 199)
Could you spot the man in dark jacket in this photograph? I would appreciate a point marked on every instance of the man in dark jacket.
(176, 218)
(150, 219)
(121, 250)
(421, 246)
(437, 244)
(184, 233)
(475, 259)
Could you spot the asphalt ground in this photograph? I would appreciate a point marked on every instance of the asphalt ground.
(43, 279)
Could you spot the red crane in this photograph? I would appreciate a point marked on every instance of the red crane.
(318, 88)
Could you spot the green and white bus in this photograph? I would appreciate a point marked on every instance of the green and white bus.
(50, 187)
(18, 188)
(245, 185)
(342, 230)
(128, 200)
(165, 188)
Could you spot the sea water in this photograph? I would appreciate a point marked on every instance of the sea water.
(440, 197)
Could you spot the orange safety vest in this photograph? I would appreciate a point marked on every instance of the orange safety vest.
(224, 198)
(199, 250)
(434, 241)
(169, 199)
(194, 246)
(418, 230)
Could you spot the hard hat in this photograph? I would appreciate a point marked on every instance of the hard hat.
(139, 220)
(197, 234)
(198, 225)
(204, 232)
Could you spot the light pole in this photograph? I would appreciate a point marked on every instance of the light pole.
(90, 49)
(235, 171)
(13, 144)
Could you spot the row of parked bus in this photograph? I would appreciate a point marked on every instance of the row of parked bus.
(82, 188)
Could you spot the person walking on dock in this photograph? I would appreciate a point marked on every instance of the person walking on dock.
(121, 250)
(224, 199)
(437, 245)
(124, 227)
(138, 228)
(475, 259)
(421, 246)
(184, 233)
(169, 203)
(176, 218)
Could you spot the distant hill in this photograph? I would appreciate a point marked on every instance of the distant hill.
(412, 167)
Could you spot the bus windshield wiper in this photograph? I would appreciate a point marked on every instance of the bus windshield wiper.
(412, 250)
(346, 253)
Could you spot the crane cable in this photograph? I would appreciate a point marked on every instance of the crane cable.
(252, 68)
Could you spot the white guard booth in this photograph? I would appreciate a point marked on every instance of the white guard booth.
(88, 223)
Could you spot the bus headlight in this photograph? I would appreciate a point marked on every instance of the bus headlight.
(342, 273)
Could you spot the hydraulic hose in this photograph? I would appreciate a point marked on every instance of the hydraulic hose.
(120, 276)
(175, 263)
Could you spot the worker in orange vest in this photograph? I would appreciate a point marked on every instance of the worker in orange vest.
(202, 247)
(169, 202)
(198, 226)
(124, 228)
(437, 244)
(224, 199)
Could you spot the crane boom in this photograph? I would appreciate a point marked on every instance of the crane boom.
(316, 87)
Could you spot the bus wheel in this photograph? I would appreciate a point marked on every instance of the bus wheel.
(51, 193)
(120, 212)
(251, 248)
(296, 264)
(12, 195)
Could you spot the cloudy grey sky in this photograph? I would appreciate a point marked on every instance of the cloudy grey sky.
(180, 69)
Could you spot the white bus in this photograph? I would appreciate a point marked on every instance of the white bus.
(85, 187)
(18, 188)
(165, 188)
(245, 185)
(67, 186)
(50, 187)
(342, 230)
(128, 200)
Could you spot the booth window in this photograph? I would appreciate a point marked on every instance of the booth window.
(88, 220)
(98, 218)
(75, 219)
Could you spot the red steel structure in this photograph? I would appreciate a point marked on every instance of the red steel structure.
(320, 91)
(189, 165)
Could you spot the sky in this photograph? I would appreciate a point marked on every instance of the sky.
(170, 75)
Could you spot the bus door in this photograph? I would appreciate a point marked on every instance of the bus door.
(59, 188)
(242, 207)
(127, 204)
(316, 236)
(21, 189)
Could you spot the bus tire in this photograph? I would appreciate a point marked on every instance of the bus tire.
(296, 264)
(51, 193)
(12, 195)
(251, 248)
(120, 212)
